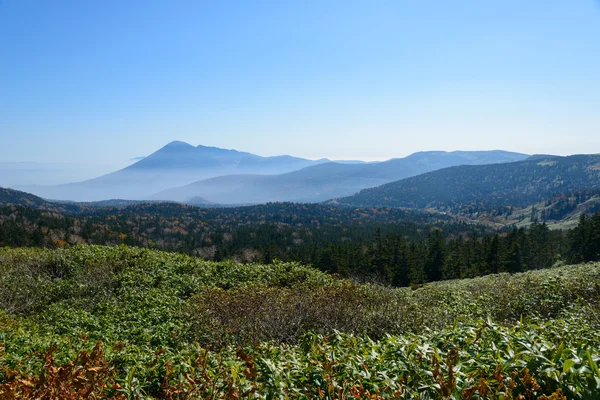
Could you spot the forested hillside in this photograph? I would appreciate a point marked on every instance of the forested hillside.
(561, 211)
(257, 233)
(18, 198)
(389, 245)
(11, 197)
(472, 189)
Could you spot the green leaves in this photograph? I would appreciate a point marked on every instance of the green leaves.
(303, 334)
(568, 364)
(592, 363)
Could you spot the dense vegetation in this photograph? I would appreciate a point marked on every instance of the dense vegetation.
(18, 198)
(469, 189)
(123, 322)
(283, 230)
(387, 245)
(80, 321)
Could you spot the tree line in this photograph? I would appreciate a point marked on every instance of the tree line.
(401, 253)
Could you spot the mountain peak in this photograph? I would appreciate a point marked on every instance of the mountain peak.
(176, 144)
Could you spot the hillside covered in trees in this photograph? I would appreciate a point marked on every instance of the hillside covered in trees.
(389, 245)
(468, 190)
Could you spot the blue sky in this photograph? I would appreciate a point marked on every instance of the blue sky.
(103, 81)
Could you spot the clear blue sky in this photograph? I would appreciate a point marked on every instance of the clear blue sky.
(103, 81)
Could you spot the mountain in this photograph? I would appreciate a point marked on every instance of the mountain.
(18, 198)
(10, 197)
(328, 180)
(476, 188)
(175, 164)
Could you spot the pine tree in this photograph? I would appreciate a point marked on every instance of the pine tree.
(436, 257)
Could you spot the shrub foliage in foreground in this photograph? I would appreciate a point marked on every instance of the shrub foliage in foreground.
(173, 326)
(479, 361)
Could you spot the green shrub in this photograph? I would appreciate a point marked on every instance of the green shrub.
(304, 334)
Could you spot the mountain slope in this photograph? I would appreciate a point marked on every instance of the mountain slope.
(482, 187)
(175, 164)
(18, 198)
(329, 180)
(10, 197)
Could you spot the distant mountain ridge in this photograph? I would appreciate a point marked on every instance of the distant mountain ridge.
(181, 155)
(18, 198)
(177, 163)
(469, 188)
(328, 180)
(11, 197)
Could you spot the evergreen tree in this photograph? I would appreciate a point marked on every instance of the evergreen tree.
(436, 256)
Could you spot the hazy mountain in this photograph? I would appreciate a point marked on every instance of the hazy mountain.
(355, 162)
(481, 187)
(175, 164)
(329, 180)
